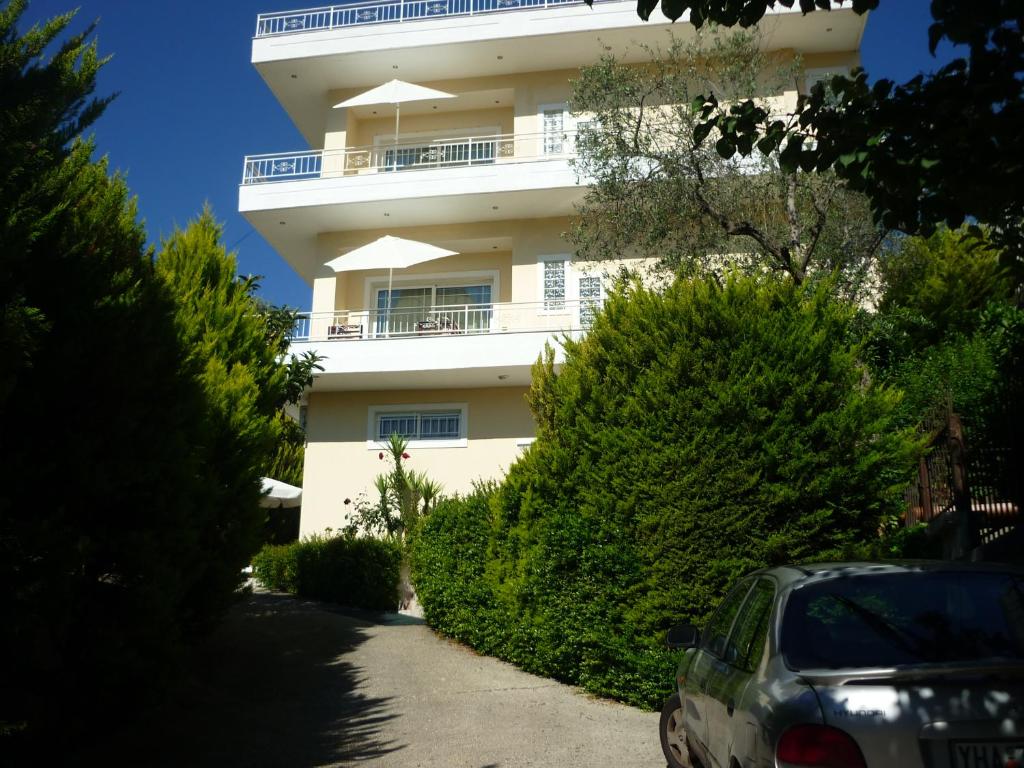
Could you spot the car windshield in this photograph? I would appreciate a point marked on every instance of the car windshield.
(893, 619)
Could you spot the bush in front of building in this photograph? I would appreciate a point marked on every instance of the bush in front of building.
(360, 572)
(695, 434)
(449, 555)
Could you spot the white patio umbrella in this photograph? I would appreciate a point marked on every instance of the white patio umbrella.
(391, 252)
(395, 92)
(278, 494)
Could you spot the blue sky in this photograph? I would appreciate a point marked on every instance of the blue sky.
(191, 106)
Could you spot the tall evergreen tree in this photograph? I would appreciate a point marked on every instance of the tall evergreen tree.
(98, 482)
(139, 404)
(236, 346)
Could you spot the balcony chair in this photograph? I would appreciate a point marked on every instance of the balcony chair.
(345, 331)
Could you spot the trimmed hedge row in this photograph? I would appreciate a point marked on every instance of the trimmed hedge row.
(360, 572)
(692, 436)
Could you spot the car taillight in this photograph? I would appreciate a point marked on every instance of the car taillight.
(820, 746)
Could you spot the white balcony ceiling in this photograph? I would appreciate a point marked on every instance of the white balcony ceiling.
(302, 69)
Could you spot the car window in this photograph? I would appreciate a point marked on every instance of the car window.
(750, 629)
(716, 633)
(891, 619)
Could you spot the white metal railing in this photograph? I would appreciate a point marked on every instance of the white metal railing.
(446, 320)
(390, 11)
(408, 155)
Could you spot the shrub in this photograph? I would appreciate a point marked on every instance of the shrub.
(690, 437)
(360, 572)
(448, 556)
(274, 566)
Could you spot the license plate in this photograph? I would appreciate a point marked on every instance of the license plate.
(988, 754)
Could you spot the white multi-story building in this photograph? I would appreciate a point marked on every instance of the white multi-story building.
(445, 357)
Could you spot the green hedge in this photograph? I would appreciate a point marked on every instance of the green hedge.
(691, 437)
(361, 572)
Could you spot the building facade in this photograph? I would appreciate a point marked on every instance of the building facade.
(441, 351)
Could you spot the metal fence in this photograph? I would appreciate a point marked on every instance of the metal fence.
(969, 486)
(444, 320)
(390, 11)
(407, 155)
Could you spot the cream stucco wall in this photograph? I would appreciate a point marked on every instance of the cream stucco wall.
(339, 463)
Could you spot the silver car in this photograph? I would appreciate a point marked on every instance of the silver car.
(855, 665)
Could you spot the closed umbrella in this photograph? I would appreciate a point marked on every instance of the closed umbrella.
(278, 494)
(395, 92)
(391, 252)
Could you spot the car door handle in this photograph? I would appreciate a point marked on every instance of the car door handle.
(730, 707)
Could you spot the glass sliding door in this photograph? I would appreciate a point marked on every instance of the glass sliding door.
(465, 307)
(408, 307)
(453, 308)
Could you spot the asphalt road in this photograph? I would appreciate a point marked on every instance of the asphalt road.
(294, 683)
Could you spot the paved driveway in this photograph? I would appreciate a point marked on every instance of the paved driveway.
(288, 682)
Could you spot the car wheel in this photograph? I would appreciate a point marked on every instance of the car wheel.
(673, 735)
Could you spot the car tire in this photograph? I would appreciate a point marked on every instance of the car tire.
(673, 735)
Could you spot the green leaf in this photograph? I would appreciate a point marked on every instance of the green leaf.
(701, 131)
(673, 9)
(767, 145)
(644, 8)
(725, 147)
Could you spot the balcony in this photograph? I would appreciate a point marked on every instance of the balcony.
(293, 198)
(552, 316)
(443, 347)
(390, 12)
(408, 156)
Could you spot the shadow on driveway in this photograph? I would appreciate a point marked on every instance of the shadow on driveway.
(271, 687)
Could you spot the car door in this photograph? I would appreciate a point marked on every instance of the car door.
(706, 660)
(729, 733)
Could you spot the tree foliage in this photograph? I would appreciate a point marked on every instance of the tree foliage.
(234, 350)
(659, 191)
(100, 498)
(950, 334)
(138, 401)
(691, 436)
(945, 147)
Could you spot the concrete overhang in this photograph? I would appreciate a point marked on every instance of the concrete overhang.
(302, 69)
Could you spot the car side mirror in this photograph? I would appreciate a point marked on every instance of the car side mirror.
(682, 636)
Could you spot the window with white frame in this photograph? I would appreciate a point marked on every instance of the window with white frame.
(419, 426)
(554, 283)
(441, 425)
(554, 121)
(590, 299)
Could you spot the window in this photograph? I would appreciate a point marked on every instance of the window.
(913, 617)
(452, 308)
(556, 127)
(717, 631)
(423, 425)
(554, 284)
(590, 299)
(751, 628)
(419, 426)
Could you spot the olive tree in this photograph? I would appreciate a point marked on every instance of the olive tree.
(659, 191)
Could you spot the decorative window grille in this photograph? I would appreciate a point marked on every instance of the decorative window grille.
(554, 285)
(590, 299)
(419, 426)
(554, 131)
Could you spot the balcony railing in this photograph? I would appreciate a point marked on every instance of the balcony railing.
(408, 156)
(450, 320)
(388, 12)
